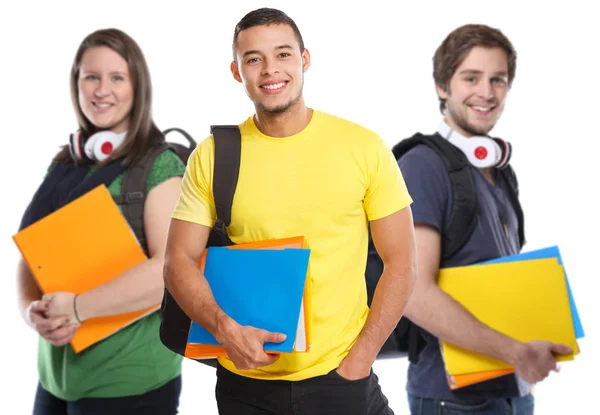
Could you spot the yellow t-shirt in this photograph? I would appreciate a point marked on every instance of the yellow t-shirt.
(323, 183)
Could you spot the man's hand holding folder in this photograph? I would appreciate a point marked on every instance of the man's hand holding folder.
(245, 344)
(536, 359)
(256, 301)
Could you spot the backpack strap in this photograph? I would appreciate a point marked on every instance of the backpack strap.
(133, 193)
(228, 151)
(465, 208)
(175, 324)
(513, 194)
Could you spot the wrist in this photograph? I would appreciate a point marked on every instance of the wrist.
(225, 327)
(366, 348)
(514, 352)
(26, 314)
(75, 313)
(360, 356)
(82, 310)
(362, 361)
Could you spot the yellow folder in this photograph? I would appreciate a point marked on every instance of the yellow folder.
(79, 247)
(304, 333)
(526, 300)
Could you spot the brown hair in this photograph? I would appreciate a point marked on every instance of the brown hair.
(265, 17)
(142, 133)
(457, 45)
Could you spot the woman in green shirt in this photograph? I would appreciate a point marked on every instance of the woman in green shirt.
(131, 371)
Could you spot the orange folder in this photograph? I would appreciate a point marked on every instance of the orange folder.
(466, 379)
(202, 351)
(79, 247)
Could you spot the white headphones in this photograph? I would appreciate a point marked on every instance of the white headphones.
(97, 147)
(480, 151)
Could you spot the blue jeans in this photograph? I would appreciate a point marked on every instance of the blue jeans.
(161, 401)
(496, 406)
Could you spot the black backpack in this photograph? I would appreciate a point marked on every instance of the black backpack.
(407, 337)
(174, 323)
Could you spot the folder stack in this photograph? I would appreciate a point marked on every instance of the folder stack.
(262, 284)
(525, 296)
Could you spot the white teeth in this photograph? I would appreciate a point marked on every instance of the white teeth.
(274, 86)
(102, 105)
(484, 109)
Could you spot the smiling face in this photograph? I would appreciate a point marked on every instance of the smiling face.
(105, 89)
(477, 91)
(271, 67)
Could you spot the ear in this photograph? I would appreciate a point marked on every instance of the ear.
(305, 60)
(442, 91)
(235, 71)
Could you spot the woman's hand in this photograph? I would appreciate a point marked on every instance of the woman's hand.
(57, 329)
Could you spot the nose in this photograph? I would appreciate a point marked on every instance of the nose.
(270, 66)
(102, 89)
(486, 90)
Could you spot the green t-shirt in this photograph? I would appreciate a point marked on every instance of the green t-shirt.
(133, 361)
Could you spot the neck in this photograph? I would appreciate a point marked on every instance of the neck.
(284, 124)
(489, 173)
(456, 128)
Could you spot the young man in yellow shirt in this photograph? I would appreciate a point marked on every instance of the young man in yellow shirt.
(302, 172)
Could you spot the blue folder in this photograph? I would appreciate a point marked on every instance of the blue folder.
(551, 252)
(262, 288)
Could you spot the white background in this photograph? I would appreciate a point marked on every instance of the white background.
(370, 64)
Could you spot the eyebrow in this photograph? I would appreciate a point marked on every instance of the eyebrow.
(253, 52)
(476, 72)
(110, 73)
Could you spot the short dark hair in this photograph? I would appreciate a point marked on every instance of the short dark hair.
(265, 17)
(457, 45)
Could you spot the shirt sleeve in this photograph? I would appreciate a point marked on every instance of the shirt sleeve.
(427, 181)
(166, 166)
(386, 192)
(196, 201)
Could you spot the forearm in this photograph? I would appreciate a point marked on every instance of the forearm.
(189, 288)
(445, 318)
(389, 301)
(136, 289)
(28, 290)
